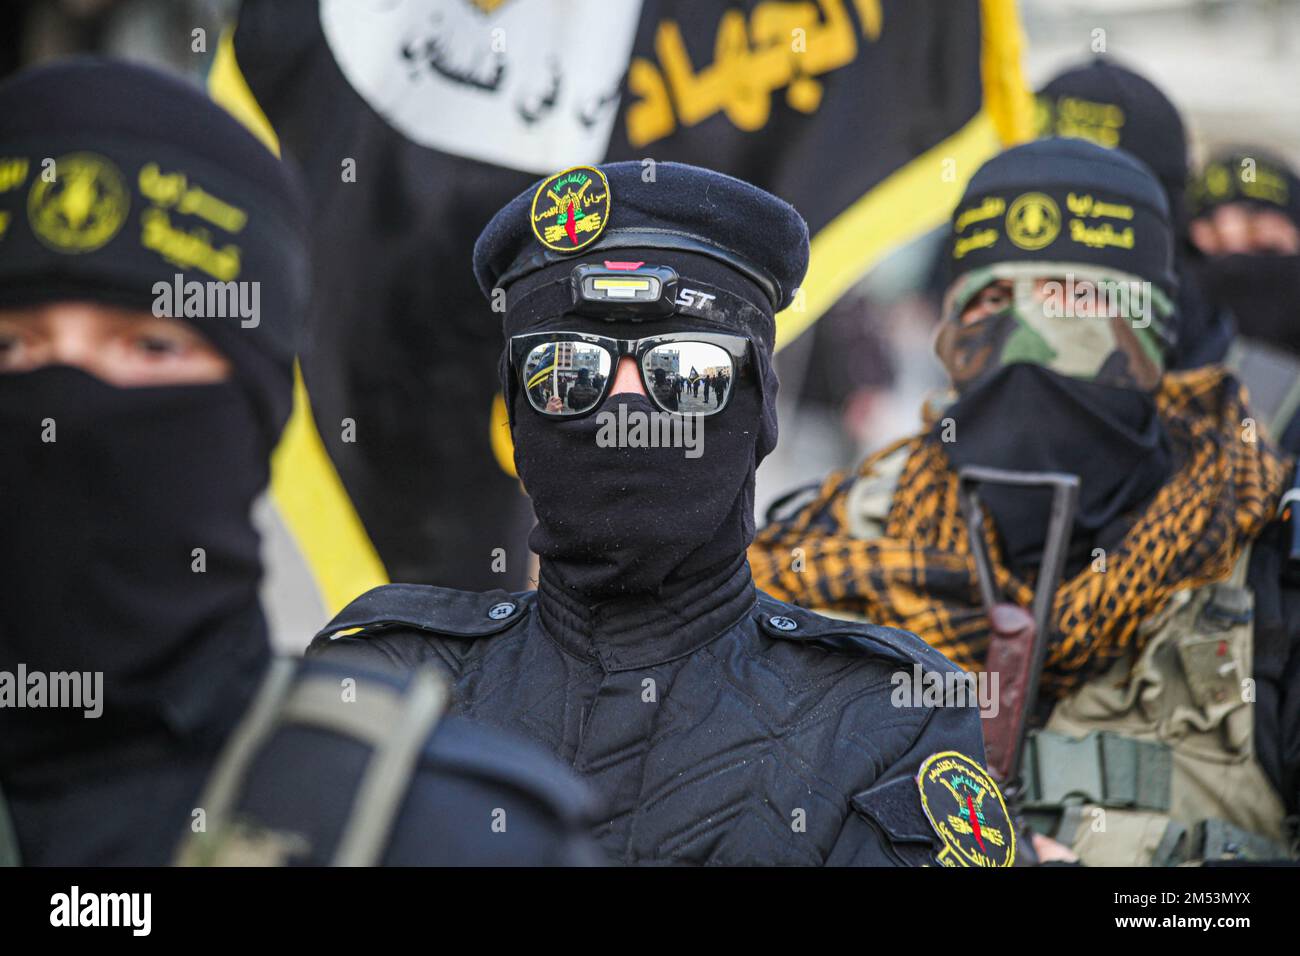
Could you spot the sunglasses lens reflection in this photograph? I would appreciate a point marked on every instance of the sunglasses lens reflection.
(565, 378)
(693, 378)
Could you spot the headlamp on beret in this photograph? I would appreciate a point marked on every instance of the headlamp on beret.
(624, 290)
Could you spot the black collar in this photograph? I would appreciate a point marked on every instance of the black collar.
(627, 633)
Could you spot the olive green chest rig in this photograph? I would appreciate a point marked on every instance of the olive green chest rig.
(1152, 762)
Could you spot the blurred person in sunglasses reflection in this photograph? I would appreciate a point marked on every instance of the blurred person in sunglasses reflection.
(718, 725)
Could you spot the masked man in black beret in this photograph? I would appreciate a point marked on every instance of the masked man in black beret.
(719, 726)
(1246, 223)
(1169, 724)
(152, 272)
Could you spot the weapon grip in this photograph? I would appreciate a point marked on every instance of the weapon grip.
(1018, 644)
(1011, 656)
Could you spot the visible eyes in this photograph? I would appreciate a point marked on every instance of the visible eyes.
(19, 344)
(993, 298)
(122, 348)
(158, 351)
(14, 349)
(1235, 228)
(156, 345)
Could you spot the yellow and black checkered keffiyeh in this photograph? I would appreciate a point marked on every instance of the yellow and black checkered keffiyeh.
(920, 575)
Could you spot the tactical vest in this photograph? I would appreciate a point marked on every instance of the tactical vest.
(1153, 762)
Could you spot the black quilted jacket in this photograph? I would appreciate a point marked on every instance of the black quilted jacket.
(723, 727)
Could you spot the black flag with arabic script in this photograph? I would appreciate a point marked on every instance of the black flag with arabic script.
(868, 116)
(415, 120)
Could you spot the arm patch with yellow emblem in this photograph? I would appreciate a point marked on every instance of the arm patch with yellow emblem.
(966, 809)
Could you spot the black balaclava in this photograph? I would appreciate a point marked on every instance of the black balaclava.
(1262, 289)
(623, 521)
(103, 523)
(131, 550)
(1026, 418)
(1085, 404)
(1263, 292)
(1115, 107)
(640, 526)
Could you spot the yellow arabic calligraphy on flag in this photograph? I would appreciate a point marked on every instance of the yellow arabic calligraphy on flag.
(778, 46)
(868, 116)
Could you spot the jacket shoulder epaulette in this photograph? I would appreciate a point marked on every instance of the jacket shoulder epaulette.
(435, 610)
(789, 622)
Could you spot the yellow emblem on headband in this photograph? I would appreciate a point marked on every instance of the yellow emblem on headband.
(81, 205)
(1033, 221)
(965, 807)
(570, 209)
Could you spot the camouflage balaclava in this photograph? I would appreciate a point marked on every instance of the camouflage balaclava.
(1065, 381)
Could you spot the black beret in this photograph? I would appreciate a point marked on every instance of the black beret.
(1247, 175)
(1117, 108)
(682, 208)
(116, 177)
(1064, 201)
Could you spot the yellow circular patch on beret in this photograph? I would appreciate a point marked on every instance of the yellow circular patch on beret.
(571, 209)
